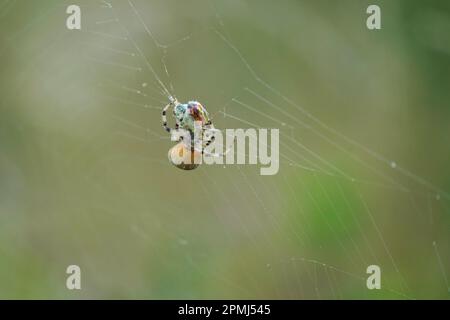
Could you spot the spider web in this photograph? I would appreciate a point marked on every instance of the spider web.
(335, 207)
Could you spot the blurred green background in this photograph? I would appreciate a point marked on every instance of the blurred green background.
(364, 177)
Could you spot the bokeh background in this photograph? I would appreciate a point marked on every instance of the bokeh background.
(364, 175)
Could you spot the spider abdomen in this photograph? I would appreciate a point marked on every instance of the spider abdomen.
(181, 156)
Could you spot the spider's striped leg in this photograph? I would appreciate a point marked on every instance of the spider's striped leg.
(164, 118)
(210, 128)
(166, 127)
(211, 140)
(177, 127)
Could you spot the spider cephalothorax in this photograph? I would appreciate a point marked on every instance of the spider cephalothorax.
(186, 114)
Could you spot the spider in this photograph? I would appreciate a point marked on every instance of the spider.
(187, 115)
